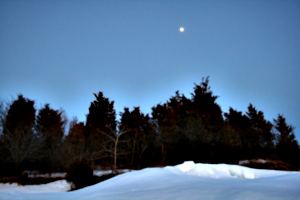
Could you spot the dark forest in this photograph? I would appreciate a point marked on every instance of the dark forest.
(178, 130)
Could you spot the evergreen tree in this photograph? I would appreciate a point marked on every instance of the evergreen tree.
(100, 122)
(167, 130)
(205, 106)
(101, 116)
(139, 130)
(75, 142)
(209, 121)
(228, 148)
(21, 115)
(189, 128)
(237, 120)
(287, 146)
(240, 124)
(260, 135)
(20, 142)
(50, 124)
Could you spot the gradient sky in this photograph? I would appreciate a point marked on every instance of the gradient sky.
(61, 52)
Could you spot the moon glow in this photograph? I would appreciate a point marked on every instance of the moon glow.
(181, 29)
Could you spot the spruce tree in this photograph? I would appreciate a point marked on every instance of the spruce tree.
(19, 139)
(167, 130)
(75, 142)
(287, 147)
(101, 116)
(260, 134)
(205, 106)
(208, 120)
(50, 125)
(139, 132)
(100, 122)
(237, 120)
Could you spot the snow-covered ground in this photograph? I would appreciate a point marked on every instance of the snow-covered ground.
(57, 186)
(186, 181)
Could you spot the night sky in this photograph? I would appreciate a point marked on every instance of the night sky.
(61, 52)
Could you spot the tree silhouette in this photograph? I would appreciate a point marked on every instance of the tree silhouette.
(101, 116)
(139, 130)
(75, 142)
(19, 139)
(167, 129)
(260, 136)
(287, 147)
(100, 122)
(205, 105)
(240, 124)
(50, 125)
(237, 120)
(178, 130)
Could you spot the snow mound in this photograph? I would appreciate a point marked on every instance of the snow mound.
(56, 186)
(225, 171)
(217, 170)
(185, 181)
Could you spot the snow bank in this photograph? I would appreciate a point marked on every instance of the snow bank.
(226, 171)
(186, 181)
(57, 186)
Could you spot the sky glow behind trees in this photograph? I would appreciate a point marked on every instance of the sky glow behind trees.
(62, 52)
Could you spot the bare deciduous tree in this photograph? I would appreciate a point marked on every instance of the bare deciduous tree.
(21, 146)
(112, 150)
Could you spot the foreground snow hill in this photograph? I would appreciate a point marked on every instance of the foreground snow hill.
(186, 181)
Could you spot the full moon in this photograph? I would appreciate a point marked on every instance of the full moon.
(181, 29)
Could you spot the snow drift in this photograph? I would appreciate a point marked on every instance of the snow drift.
(185, 181)
(56, 186)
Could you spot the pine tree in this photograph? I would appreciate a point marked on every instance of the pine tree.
(167, 130)
(287, 146)
(100, 122)
(237, 120)
(139, 129)
(101, 116)
(207, 119)
(50, 124)
(19, 139)
(188, 128)
(75, 142)
(205, 106)
(240, 124)
(260, 134)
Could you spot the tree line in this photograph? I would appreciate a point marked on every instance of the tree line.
(178, 130)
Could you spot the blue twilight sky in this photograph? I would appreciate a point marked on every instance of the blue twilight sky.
(61, 52)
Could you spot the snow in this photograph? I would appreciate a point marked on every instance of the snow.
(56, 186)
(243, 162)
(104, 172)
(188, 181)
